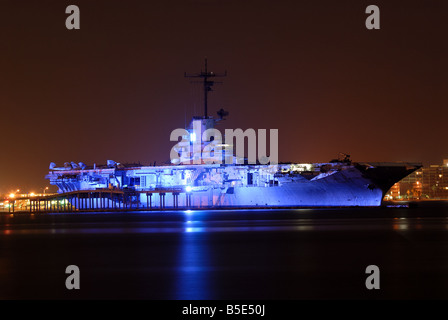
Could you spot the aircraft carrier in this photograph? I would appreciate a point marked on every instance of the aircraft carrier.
(338, 183)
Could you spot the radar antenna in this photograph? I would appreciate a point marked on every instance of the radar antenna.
(206, 75)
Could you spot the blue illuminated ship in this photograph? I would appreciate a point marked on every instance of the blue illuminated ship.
(337, 183)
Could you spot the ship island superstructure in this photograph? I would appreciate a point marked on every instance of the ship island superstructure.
(238, 184)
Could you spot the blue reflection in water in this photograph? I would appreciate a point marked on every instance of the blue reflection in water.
(192, 269)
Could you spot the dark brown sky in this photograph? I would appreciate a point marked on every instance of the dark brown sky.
(115, 88)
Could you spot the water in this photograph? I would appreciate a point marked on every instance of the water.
(252, 254)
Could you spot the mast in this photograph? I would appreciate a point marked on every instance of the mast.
(207, 83)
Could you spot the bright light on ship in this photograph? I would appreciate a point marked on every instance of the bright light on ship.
(298, 167)
(12, 195)
(188, 188)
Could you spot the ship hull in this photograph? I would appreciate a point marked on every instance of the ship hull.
(346, 188)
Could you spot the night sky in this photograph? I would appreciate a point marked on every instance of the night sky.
(115, 89)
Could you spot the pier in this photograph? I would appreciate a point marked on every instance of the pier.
(98, 200)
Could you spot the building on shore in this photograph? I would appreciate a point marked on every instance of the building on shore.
(425, 183)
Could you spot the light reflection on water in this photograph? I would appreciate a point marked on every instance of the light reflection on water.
(400, 224)
(192, 273)
(142, 230)
(199, 226)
